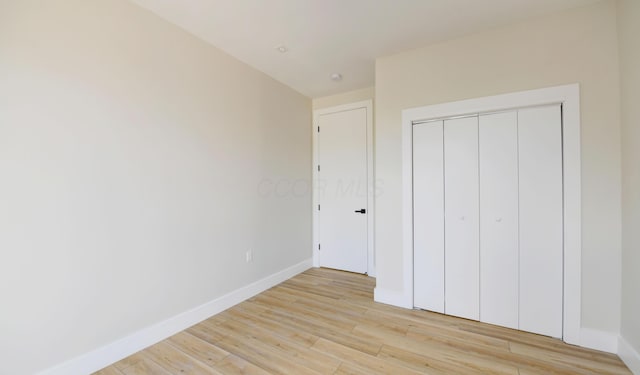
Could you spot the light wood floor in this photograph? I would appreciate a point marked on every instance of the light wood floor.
(325, 322)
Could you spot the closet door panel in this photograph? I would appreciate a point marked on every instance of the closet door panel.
(541, 242)
(461, 217)
(428, 219)
(498, 160)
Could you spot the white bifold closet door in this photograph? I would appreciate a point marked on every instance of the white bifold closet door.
(428, 179)
(499, 267)
(488, 213)
(461, 210)
(541, 227)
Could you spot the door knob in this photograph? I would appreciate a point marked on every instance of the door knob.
(362, 211)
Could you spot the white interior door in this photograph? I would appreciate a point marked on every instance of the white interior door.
(428, 216)
(499, 265)
(461, 217)
(342, 190)
(541, 229)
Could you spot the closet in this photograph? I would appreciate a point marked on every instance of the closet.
(488, 218)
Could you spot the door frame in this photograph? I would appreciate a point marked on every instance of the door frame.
(368, 106)
(569, 97)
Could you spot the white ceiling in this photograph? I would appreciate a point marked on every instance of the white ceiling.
(344, 36)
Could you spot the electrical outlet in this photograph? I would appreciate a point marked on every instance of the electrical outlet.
(249, 256)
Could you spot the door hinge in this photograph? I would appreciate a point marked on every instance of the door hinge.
(318, 129)
(318, 167)
(318, 207)
(318, 246)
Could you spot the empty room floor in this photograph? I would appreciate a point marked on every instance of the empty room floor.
(325, 322)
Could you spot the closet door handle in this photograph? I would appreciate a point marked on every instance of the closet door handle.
(362, 211)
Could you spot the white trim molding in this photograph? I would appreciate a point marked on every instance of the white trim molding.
(111, 353)
(629, 355)
(368, 105)
(569, 97)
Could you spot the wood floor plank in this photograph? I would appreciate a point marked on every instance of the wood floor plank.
(206, 332)
(350, 369)
(494, 360)
(109, 371)
(302, 338)
(176, 361)
(129, 361)
(364, 360)
(320, 302)
(318, 316)
(423, 363)
(263, 356)
(197, 348)
(448, 334)
(578, 364)
(145, 367)
(326, 322)
(362, 342)
(318, 362)
(234, 365)
(454, 356)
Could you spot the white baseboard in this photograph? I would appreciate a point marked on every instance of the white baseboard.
(394, 298)
(111, 353)
(599, 340)
(629, 355)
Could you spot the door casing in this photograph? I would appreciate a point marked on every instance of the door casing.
(371, 188)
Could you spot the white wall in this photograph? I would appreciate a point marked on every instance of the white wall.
(629, 31)
(580, 46)
(136, 166)
(343, 98)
